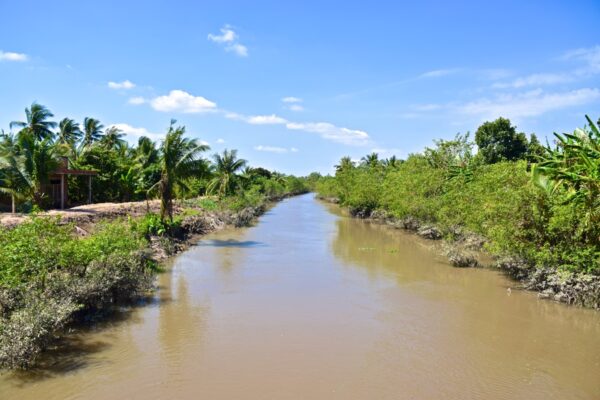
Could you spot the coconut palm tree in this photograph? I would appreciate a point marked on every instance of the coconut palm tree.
(68, 132)
(39, 159)
(179, 160)
(392, 162)
(92, 131)
(345, 164)
(226, 167)
(13, 178)
(370, 160)
(36, 122)
(113, 138)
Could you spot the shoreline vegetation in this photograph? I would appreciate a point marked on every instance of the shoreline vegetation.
(57, 268)
(535, 209)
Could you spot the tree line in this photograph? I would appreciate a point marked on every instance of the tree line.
(173, 168)
(538, 203)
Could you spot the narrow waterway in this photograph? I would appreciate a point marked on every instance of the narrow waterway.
(311, 304)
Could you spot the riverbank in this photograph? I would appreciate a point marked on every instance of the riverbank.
(466, 249)
(59, 271)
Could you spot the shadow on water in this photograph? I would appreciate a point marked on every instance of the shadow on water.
(231, 243)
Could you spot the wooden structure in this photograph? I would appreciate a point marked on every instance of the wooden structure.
(58, 185)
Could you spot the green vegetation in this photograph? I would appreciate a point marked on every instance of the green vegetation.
(53, 273)
(538, 204)
(167, 170)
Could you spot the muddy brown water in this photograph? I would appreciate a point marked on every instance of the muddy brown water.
(311, 304)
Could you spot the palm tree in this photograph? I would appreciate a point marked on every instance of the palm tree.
(370, 160)
(39, 159)
(113, 138)
(92, 131)
(13, 178)
(37, 122)
(392, 162)
(68, 132)
(225, 169)
(179, 160)
(345, 164)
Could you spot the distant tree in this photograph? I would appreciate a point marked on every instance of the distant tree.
(535, 150)
(36, 123)
(92, 131)
(113, 138)
(226, 167)
(13, 177)
(179, 160)
(392, 162)
(68, 132)
(499, 141)
(345, 164)
(449, 153)
(370, 160)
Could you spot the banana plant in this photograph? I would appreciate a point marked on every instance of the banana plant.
(573, 166)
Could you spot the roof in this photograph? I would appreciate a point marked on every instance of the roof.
(64, 171)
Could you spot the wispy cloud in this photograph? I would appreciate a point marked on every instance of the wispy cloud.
(293, 103)
(542, 79)
(126, 84)
(291, 99)
(275, 149)
(229, 39)
(11, 56)
(136, 101)
(257, 119)
(183, 102)
(135, 133)
(329, 131)
(528, 104)
(220, 141)
(590, 57)
(382, 151)
(587, 62)
(439, 73)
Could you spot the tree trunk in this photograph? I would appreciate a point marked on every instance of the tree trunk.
(14, 204)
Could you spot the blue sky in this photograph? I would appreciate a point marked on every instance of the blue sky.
(295, 86)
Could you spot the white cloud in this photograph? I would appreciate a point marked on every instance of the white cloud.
(10, 56)
(238, 49)
(136, 100)
(126, 84)
(427, 107)
(275, 149)
(535, 80)
(136, 133)
(266, 120)
(528, 104)
(220, 141)
(386, 151)
(331, 132)
(257, 119)
(291, 99)
(292, 103)
(181, 101)
(230, 39)
(439, 72)
(589, 56)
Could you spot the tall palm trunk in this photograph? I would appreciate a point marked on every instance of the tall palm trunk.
(14, 203)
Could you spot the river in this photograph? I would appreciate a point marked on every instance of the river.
(312, 304)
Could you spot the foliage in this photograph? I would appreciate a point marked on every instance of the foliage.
(499, 141)
(548, 217)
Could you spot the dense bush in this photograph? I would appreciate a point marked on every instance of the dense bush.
(458, 191)
(47, 274)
